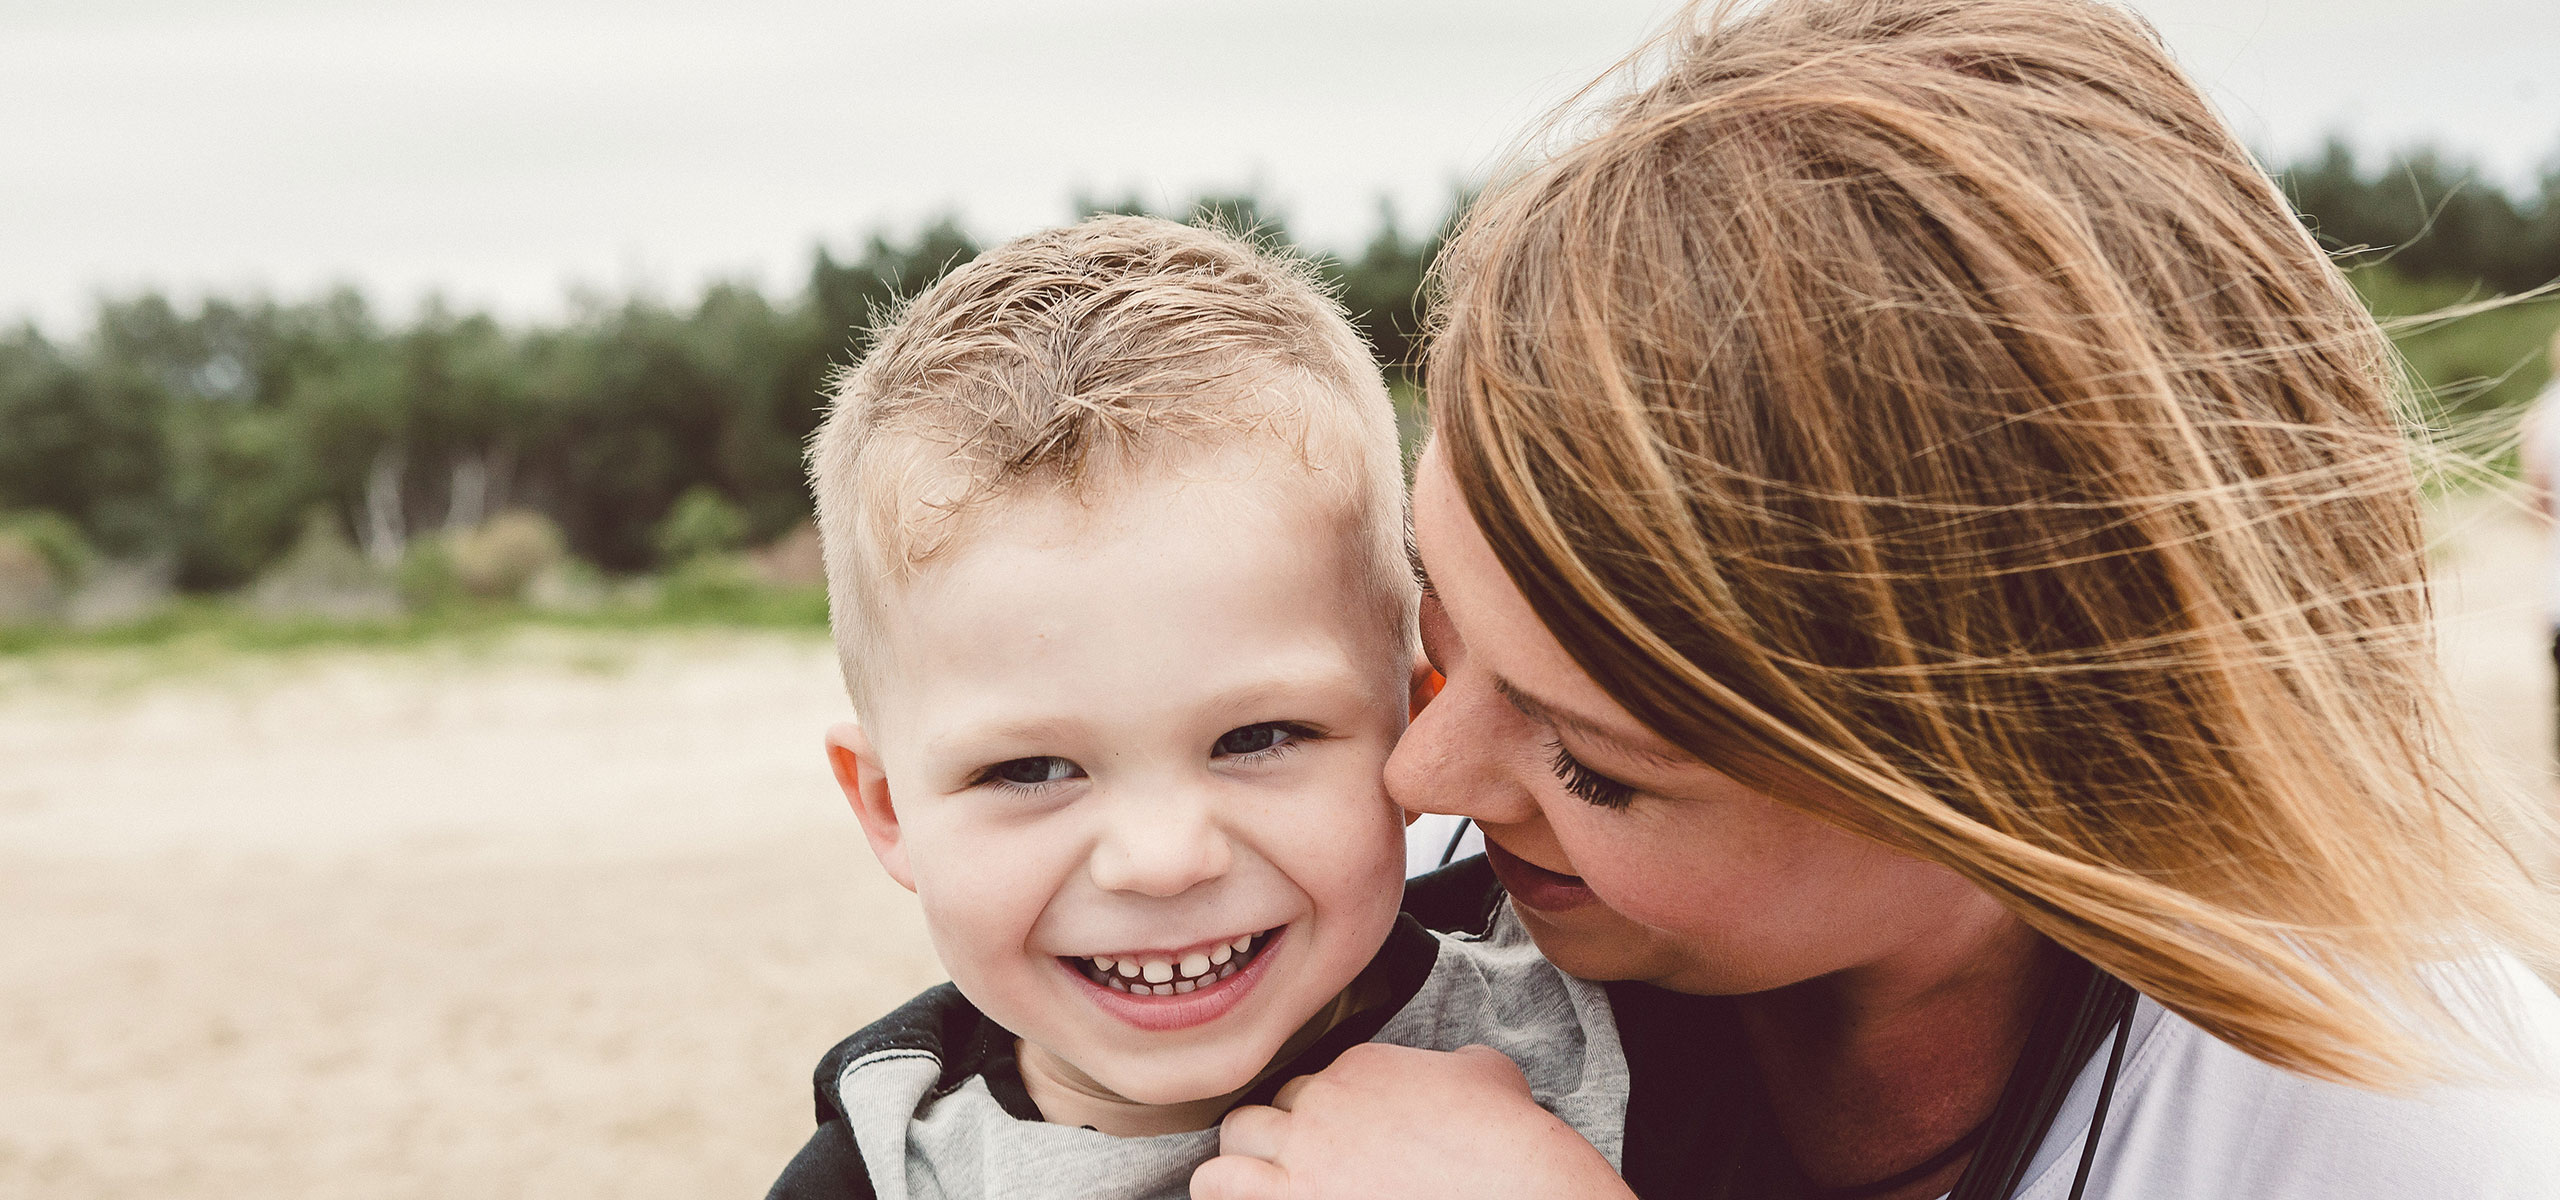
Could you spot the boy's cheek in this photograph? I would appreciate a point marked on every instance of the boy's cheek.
(1345, 845)
(978, 893)
(984, 947)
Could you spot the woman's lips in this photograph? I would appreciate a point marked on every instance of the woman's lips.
(1534, 886)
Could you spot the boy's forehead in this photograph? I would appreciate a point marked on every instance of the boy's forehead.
(1137, 499)
(1189, 529)
(1197, 567)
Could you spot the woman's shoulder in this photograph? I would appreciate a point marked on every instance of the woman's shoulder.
(2192, 1116)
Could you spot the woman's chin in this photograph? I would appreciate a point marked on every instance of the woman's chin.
(1591, 942)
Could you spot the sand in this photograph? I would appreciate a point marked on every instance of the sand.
(563, 916)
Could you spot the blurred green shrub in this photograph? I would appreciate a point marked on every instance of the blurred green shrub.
(2478, 363)
(30, 589)
(55, 538)
(425, 578)
(568, 585)
(497, 560)
(325, 576)
(702, 524)
(726, 589)
(708, 584)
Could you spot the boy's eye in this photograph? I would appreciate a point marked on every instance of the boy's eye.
(1254, 739)
(1047, 768)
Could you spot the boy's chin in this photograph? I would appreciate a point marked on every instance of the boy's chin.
(1186, 1083)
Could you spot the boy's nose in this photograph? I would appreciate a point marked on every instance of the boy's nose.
(1159, 846)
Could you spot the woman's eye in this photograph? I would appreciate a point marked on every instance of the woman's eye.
(1047, 768)
(1590, 786)
(1255, 739)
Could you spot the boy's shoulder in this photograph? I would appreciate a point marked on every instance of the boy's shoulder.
(932, 1043)
(939, 1027)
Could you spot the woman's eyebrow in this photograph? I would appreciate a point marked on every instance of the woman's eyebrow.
(1413, 558)
(1548, 714)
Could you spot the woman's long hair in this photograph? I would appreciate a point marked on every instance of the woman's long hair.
(1926, 411)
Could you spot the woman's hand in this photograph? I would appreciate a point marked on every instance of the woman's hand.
(1394, 1121)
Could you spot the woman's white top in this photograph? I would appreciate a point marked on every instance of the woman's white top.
(2194, 1119)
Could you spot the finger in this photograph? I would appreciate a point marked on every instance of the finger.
(1253, 1131)
(1286, 1099)
(1230, 1178)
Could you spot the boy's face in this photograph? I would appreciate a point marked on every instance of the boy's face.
(1129, 757)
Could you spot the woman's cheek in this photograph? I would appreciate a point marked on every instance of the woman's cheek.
(1657, 874)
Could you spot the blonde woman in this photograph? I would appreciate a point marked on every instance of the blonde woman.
(1926, 563)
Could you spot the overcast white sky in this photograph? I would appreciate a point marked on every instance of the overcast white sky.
(500, 151)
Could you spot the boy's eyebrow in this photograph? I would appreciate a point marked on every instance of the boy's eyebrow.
(1033, 730)
(1285, 684)
(1547, 714)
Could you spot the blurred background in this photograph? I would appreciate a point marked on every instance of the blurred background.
(412, 650)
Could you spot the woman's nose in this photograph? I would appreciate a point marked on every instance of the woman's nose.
(1160, 846)
(1449, 760)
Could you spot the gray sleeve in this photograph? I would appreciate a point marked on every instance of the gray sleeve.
(1500, 992)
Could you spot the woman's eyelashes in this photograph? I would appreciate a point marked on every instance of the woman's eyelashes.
(1590, 786)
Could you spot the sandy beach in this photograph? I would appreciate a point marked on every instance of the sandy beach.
(557, 916)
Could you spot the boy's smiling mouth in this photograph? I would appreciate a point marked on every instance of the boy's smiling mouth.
(1161, 990)
(1173, 972)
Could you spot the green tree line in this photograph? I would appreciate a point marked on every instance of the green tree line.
(208, 437)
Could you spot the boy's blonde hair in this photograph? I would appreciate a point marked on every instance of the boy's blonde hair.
(1060, 361)
(1926, 411)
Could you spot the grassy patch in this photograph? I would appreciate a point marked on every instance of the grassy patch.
(224, 624)
(2479, 363)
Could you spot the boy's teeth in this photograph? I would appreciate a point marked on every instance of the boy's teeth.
(1166, 977)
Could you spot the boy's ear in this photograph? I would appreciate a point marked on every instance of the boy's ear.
(866, 787)
(1427, 682)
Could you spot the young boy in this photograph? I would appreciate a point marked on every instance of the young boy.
(1114, 534)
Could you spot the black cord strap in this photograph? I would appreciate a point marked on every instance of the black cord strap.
(2098, 1119)
(1451, 851)
(2081, 1005)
